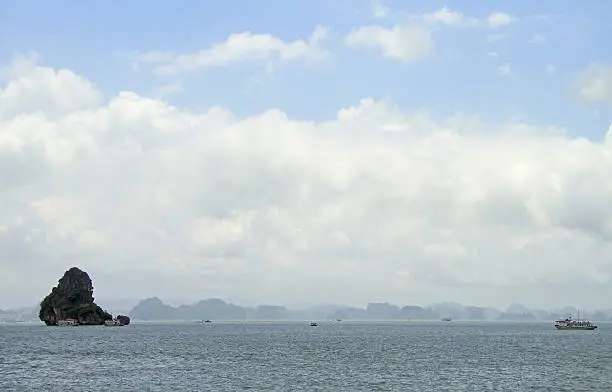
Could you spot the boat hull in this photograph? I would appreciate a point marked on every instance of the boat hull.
(577, 328)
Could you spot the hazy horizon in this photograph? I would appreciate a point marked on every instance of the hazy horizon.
(125, 304)
(287, 153)
(113, 287)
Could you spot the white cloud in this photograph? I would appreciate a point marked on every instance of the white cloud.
(595, 83)
(538, 39)
(375, 203)
(405, 43)
(46, 91)
(379, 10)
(239, 47)
(448, 17)
(504, 69)
(499, 19)
(408, 41)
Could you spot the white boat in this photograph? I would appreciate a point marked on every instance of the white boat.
(571, 324)
(118, 321)
(67, 323)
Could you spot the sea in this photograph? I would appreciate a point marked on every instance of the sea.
(294, 356)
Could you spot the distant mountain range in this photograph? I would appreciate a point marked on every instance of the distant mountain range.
(20, 315)
(217, 309)
(154, 309)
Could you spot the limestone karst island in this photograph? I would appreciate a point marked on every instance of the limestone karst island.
(71, 302)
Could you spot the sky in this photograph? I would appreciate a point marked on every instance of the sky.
(328, 151)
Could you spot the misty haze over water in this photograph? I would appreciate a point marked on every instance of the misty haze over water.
(154, 309)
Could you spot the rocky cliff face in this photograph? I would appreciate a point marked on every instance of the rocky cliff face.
(123, 320)
(72, 298)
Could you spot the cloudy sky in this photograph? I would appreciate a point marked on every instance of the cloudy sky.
(328, 151)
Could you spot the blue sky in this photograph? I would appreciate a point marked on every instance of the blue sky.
(95, 39)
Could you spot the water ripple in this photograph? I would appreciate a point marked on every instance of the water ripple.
(295, 357)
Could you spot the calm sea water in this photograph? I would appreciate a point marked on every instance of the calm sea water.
(344, 356)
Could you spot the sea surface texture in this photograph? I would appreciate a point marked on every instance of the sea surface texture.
(293, 356)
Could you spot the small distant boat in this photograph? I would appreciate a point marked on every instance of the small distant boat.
(446, 319)
(570, 324)
(314, 324)
(119, 321)
(207, 321)
(67, 323)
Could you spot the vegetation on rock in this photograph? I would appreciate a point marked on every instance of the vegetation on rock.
(72, 298)
(124, 320)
